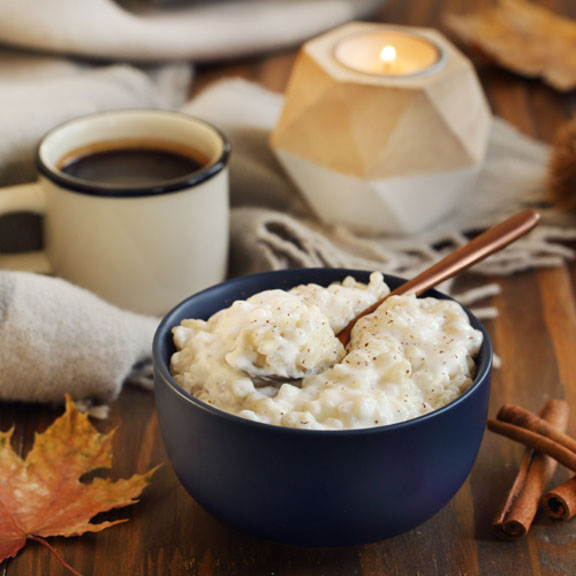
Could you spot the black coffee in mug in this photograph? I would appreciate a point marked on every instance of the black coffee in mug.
(132, 163)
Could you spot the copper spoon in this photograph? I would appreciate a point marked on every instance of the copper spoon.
(477, 249)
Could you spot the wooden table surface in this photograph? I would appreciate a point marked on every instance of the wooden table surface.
(535, 336)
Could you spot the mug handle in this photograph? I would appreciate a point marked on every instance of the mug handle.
(24, 198)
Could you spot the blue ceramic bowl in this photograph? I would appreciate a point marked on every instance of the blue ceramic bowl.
(310, 487)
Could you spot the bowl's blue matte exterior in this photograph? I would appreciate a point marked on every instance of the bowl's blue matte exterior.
(314, 488)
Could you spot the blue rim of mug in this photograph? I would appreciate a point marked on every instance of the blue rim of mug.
(114, 191)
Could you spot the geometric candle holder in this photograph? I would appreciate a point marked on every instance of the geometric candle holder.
(383, 127)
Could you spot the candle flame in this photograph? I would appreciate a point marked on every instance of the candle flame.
(388, 54)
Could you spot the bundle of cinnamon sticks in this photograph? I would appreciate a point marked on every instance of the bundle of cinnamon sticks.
(547, 444)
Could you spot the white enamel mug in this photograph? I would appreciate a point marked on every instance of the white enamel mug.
(143, 248)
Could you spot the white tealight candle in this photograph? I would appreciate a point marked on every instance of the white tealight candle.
(388, 53)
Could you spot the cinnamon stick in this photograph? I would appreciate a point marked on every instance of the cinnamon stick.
(536, 469)
(560, 503)
(529, 420)
(552, 448)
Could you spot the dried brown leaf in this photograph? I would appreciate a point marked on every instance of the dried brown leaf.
(523, 38)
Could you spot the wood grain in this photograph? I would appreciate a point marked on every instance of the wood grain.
(535, 336)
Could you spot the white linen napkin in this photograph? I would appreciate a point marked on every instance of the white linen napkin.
(206, 30)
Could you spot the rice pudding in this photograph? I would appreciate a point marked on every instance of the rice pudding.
(409, 357)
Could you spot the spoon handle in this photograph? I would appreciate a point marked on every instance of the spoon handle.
(477, 249)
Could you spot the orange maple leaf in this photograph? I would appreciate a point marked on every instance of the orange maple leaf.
(43, 496)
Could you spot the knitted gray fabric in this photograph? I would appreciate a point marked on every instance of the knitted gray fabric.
(56, 338)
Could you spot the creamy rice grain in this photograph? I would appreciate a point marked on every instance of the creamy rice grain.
(411, 356)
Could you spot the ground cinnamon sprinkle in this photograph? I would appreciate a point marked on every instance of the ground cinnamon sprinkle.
(518, 511)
